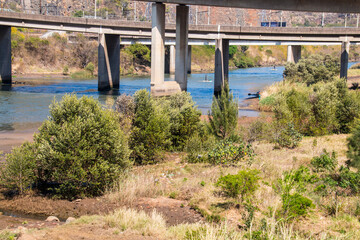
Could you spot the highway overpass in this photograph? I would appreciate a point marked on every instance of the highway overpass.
(110, 32)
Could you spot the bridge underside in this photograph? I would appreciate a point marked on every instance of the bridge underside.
(339, 6)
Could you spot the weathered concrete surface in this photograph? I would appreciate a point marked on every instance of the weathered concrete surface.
(182, 26)
(166, 89)
(172, 59)
(188, 60)
(345, 48)
(5, 54)
(221, 74)
(339, 6)
(109, 62)
(293, 53)
(158, 46)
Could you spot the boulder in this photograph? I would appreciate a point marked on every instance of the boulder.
(69, 220)
(52, 219)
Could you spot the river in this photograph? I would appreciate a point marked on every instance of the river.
(24, 106)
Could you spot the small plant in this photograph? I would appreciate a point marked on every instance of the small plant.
(66, 70)
(224, 114)
(288, 137)
(90, 68)
(173, 195)
(324, 162)
(227, 152)
(241, 185)
(296, 205)
(202, 183)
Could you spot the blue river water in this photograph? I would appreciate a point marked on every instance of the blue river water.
(23, 105)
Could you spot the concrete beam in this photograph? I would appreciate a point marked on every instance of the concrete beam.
(339, 6)
(109, 62)
(293, 53)
(345, 48)
(182, 28)
(172, 59)
(5, 54)
(221, 65)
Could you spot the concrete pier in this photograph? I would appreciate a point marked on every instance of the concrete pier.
(182, 29)
(345, 48)
(5, 54)
(109, 62)
(172, 59)
(189, 60)
(293, 53)
(158, 86)
(221, 64)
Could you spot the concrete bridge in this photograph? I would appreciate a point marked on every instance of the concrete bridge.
(180, 35)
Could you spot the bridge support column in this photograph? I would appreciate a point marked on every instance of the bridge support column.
(221, 65)
(109, 62)
(293, 53)
(345, 48)
(172, 59)
(158, 86)
(189, 60)
(5, 54)
(182, 29)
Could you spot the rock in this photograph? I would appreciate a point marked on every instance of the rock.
(69, 220)
(52, 219)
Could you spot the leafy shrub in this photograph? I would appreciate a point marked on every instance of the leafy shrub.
(79, 151)
(184, 118)
(243, 184)
(312, 70)
(287, 136)
(296, 205)
(197, 147)
(259, 130)
(224, 114)
(34, 43)
(139, 51)
(125, 106)
(227, 152)
(268, 52)
(324, 162)
(232, 51)
(353, 143)
(150, 134)
(65, 70)
(90, 68)
(18, 171)
(290, 186)
(241, 60)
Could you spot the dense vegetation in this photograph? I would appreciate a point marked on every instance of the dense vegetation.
(84, 150)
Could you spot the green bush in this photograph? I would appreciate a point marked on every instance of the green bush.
(268, 52)
(198, 146)
(322, 108)
(312, 70)
(287, 136)
(227, 152)
(353, 143)
(184, 118)
(140, 52)
(243, 184)
(34, 43)
(18, 172)
(90, 68)
(324, 162)
(79, 151)
(151, 129)
(224, 114)
(241, 60)
(65, 70)
(295, 206)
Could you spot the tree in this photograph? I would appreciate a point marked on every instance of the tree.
(224, 114)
